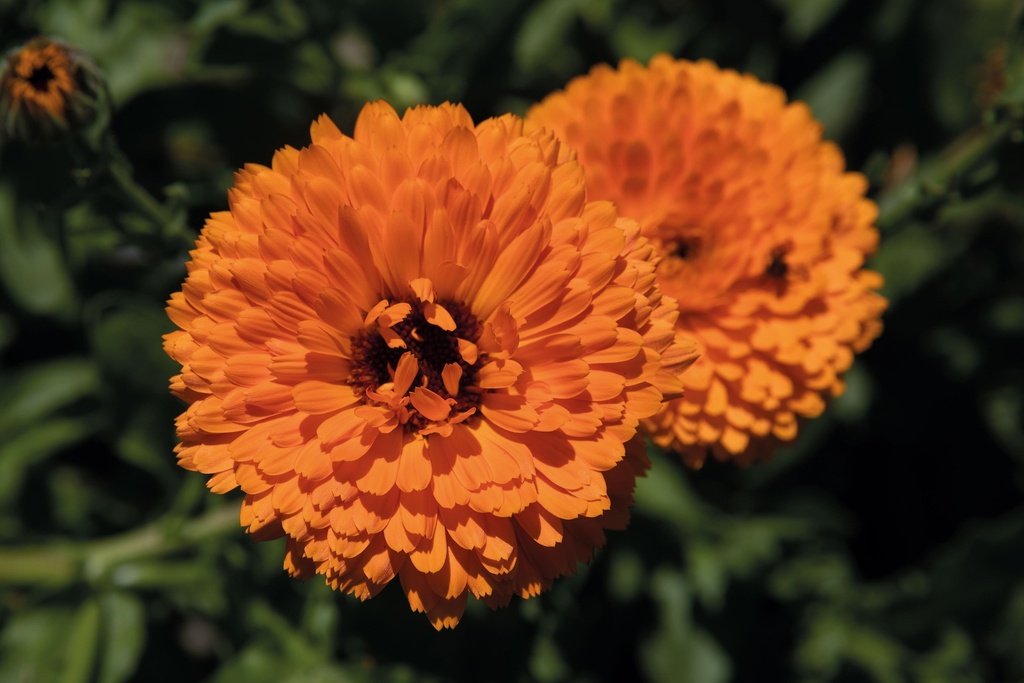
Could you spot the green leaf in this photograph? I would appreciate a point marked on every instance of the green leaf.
(39, 390)
(680, 652)
(837, 92)
(291, 641)
(403, 88)
(853, 405)
(124, 627)
(31, 267)
(705, 570)
(278, 652)
(546, 662)
(257, 663)
(961, 353)
(146, 439)
(279, 20)
(804, 18)
(29, 642)
(1007, 635)
(833, 638)
(34, 444)
(812, 574)
(194, 585)
(73, 499)
(627, 576)
(598, 13)
(877, 653)
(1006, 315)
(133, 331)
(82, 644)
(664, 493)
(313, 69)
(320, 618)
(954, 78)
(750, 544)
(952, 661)
(213, 14)
(907, 259)
(1013, 93)
(139, 46)
(1003, 411)
(819, 654)
(543, 32)
(891, 20)
(324, 673)
(638, 39)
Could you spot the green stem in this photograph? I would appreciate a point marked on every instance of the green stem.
(52, 565)
(62, 563)
(112, 164)
(138, 196)
(934, 185)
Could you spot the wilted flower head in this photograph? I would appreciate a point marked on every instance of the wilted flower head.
(45, 88)
(420, 353)
(763, 237)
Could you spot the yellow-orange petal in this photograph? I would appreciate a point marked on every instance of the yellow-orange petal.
(761, 233)
(419, 351)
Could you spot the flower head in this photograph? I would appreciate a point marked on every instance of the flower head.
(45, 88)
(763, 237)
(421, 353)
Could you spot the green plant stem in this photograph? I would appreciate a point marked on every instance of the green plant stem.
(65, 562)
(169, 225)
(138, 196)
(934, 185)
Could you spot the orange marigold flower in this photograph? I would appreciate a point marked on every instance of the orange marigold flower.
(763, 237)
(421, 353)
(45, 87)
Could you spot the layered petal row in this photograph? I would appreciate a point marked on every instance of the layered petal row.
(763, 237)
(422, 353)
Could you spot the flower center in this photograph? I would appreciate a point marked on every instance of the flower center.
(777, 266)
(40, 78)
(377, 351)
(685, 248)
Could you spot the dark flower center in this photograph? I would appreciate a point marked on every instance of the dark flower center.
(374, 362)
(40, 78)
(777, 267)
(685, 248)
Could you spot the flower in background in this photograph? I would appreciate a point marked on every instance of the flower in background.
(763, 237)
(421, 353)
(46, 88)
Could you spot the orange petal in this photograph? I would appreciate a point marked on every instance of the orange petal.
(414, 469)
(431, 405)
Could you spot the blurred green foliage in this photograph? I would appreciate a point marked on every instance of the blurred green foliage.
(887, 545)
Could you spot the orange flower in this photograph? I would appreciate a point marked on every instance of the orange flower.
(45, 86)
(763, 236)
(420, 352)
